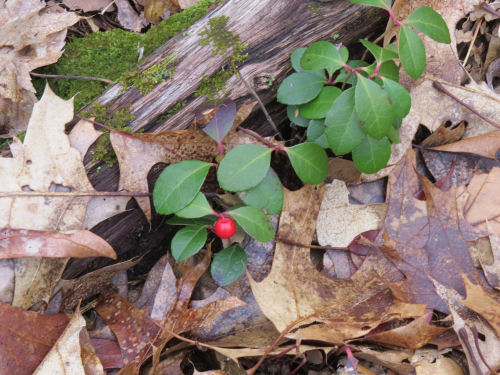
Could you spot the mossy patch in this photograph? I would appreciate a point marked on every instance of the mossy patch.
(223, 40)
(118, 120)
(110, 54)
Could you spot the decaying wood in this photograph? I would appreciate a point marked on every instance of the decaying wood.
(273, 29)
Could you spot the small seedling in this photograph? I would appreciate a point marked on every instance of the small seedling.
(225, 227)
(351, 106)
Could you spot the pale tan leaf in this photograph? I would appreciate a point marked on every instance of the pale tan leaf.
(83, 135)
(128, 17)
(485, 145)
(88, 5)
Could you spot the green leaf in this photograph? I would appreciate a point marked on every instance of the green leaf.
(243, 167)
(178, 184)
(205, 220)
(380, 54)
(393, 135)
(228, 265)
(385, 4)
(373, 108)
(344, 74)
(316, 133)
(222, 122)
(295, 58)
(318, 108)
(309, 161)
(400, 98)
(343, 130)
(188, 241)
(388, 69)
(411, 52)
(300, 88)
(323, 55)
(294, 116)
(372, 154)
(254, 221)
(430, 22)
(198, 207)
(267, 195)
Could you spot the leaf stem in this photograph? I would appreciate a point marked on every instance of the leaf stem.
(393, 18)
(257, 136)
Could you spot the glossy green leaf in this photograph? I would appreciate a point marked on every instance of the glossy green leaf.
(294, 116)
(205, 220)
(372, 154)
(323, 55)
(254, 221)
(198, 207)
(295, 58)
(222, 122)
(388, 69)
(400, 98)
(188, 241)
(380, 54)
(309, 161)
(318, 108)
(373, 109)
(244, 167)
(385, 4)
(316, 133)
(300, 88)
(228, 265)
(430, 22)
(393, 135)
(267, 195)
(411, 52)
(343, 130)
(344, 74)
(178, 184)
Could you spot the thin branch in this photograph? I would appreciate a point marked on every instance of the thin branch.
(257, 136)
(105, 80)
(469, 89)
(261, 104)
(438, 86)
(293, 243)
(192, 342)
(73, 194)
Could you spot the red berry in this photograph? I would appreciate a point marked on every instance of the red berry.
(225, 227)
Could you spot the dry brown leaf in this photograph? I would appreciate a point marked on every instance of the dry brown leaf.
(490, 260)
(128, 17)
(27, 337)
(20, 243)
(413, 335)
(485, 145)
(341, 309)
(339, 222)
(396, 360)
(484, 303)
(44, 163)
(441, 366)
(32, 36)
(155, 10)
(89, 5)
(66, 356)
(444, 135)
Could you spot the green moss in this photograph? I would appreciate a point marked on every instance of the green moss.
(147, 79)
(110, 54)
(172, 111)
(118, 120)
(223, 40)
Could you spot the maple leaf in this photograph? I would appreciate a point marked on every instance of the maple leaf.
(295, 293)
(424, 239)
(32, 36)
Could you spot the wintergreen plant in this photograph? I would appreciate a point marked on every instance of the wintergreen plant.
(351, 106)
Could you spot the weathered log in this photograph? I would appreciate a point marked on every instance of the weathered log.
(273, 29)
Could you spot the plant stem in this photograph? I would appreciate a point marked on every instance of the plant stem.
(438, 86)
(294, 243)
(257, 136)
(105, 80)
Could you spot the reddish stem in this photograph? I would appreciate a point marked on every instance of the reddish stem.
(352, 70)
(221, 149)
(393, 18)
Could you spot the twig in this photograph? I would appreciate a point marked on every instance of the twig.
(196, 343)
(261, 105)
(73, 194)
(446, 83)
(293, 243)
(257, 136)
(472, 42)
(438, 86)
(105, 80)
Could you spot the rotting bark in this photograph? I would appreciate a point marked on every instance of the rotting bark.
(273, 29)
